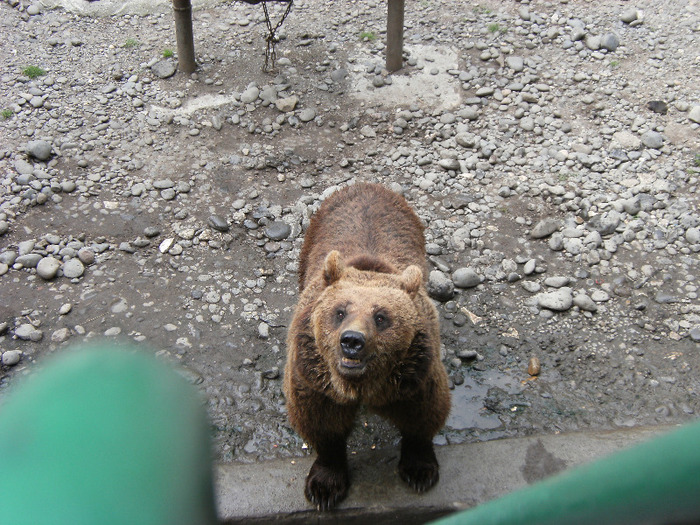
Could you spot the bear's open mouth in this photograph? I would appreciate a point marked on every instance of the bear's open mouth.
(351, 363)
(352, 367)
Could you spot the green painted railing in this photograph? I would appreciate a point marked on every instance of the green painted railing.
(657, 482)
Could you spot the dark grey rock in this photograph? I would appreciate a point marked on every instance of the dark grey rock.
(218, 223)
(609, 41)
(278, 230)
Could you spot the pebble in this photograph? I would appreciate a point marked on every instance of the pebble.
(287, 104)
(48, 268)
(164, 68)
(27, 332)
(307, 115)
(610, 41)
(278, 231)
(466, 278)
(629, 15)
(653, 140)
(39, 149)
(11, 357)
(73, 268)
(534, 367)
(558, 301)
(250, 95)
(694, 114)
(544, 228)
(440, 287)
(585, 303)
(218, 223)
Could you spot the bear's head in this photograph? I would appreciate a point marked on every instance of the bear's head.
(364, 323)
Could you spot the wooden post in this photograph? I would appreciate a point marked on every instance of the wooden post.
(394, 36)
(183, 31)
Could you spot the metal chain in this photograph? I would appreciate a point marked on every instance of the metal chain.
(271, 38)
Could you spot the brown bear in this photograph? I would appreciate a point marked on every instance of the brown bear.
(364, 332)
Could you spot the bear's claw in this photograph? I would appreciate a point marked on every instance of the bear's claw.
(418, 466)
(325, 486)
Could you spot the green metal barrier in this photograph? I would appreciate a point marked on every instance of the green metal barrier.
(105, 436)
(653, 483)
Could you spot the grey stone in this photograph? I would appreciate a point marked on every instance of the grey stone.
(163, 184)
(29, 260)
(73, 268)
(39, 149)
(466, 278)
(545, 228)
(558, 301)
(653, 140)
(250, 95)
(164, 68)
(610, 41)
(11, 357)
(307, 115)
(585, 303)
(605, 223)
(593, 42)
(466, 140)
(515, 63)
(440, 287)
(27, 332)
(278, 230)
(629, 15)
(692, 235)
(557, 281)
(48, 268)
(694, 114)
(218, 223)
(695, 334)
(4, 227)
(449, 164)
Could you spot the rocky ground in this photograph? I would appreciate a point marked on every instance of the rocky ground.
(551, 147)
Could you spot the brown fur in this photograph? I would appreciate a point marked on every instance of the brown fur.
(361, 274)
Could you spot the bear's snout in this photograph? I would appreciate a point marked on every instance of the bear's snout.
(352, 343)
(353, 358)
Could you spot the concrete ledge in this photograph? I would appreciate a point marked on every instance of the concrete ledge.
(470, 474)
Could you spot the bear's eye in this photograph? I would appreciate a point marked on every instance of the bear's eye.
(339, 315)
(381, 320)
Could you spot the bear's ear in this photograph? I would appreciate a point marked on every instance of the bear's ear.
(411, 279)
(333, 268)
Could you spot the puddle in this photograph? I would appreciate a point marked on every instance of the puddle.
(468, 408)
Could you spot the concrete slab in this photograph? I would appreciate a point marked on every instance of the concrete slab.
(470, 474)
(428, 84)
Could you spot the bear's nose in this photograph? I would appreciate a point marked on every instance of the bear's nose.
(352, 343)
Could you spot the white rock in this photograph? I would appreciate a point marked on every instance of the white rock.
(559, 301)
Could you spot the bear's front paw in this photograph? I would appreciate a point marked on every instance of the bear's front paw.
(420, 470)
(326, 486)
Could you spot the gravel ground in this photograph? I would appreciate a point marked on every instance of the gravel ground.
(551, 147)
